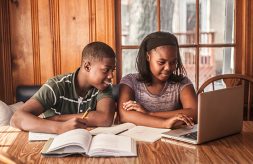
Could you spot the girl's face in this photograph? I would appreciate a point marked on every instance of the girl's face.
(162, 62)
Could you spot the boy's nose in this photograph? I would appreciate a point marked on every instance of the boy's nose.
(110, 75)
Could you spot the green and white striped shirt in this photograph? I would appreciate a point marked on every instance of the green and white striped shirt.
(58, 96)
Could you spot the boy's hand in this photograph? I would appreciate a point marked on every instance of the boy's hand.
(71, 124)
(133, 105)
(179, 119)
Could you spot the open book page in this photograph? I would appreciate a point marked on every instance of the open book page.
(112, 145)
(113, 129)
(73, 141)
(143, 133)
(34, 136)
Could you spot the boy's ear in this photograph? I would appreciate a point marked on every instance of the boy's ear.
(86, 66)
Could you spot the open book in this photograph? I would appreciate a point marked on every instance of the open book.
(80, 141)
(115, 129)
(138, 133)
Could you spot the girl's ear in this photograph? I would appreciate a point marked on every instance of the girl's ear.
(87, 66)
(148, 57)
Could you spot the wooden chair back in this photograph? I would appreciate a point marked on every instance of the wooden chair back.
(231, 80)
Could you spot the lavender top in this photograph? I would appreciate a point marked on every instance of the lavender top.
(168, 99)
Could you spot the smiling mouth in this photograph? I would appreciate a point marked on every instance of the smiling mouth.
(165, 74)
(107, 83)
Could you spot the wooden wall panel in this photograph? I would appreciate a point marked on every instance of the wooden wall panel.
(6, 87)
(105, 23)
(46, 40)
(250, 41)
(21, 43)
(105, 20)
(35, 41)
(46, 37)
(244, 37)
(74, 32)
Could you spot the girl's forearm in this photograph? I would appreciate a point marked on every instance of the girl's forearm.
(187, 111)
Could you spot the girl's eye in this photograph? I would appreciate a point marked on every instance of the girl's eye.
(174, 62)
(160, 63)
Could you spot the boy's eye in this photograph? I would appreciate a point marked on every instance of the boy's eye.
(106, 70)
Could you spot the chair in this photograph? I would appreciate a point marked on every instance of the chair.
(25, 92)
(230, 80)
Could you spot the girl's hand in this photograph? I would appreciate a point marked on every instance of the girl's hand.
(179, 119)
(133, 105)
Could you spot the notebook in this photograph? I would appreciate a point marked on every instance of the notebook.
(34, 136)
(138, 133)
(220, 113)
(80, 141)
(143, 133)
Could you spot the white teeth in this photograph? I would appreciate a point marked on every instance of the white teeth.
(108, 83)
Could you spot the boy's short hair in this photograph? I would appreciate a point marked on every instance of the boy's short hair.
(97, 51)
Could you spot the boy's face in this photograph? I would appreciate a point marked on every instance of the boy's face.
(101, 73)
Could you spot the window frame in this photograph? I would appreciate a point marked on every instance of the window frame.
(197, 46)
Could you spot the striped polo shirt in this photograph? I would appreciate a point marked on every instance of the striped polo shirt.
(58, 96)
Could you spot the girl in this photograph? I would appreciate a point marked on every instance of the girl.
(159, 95)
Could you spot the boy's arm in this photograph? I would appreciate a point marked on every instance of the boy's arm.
(103, 116)
(27, 119)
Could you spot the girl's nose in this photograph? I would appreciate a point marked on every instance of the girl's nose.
(167, 66)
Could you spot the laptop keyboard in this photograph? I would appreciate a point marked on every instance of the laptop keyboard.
(192, 135)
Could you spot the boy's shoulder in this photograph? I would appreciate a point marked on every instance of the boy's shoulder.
(62, 78)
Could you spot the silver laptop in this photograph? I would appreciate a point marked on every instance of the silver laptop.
(220, 113)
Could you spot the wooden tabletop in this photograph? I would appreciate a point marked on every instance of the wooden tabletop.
(233, 149)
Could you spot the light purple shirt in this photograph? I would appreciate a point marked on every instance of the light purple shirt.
(168, 99)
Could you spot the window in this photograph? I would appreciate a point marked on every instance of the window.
(205, 33)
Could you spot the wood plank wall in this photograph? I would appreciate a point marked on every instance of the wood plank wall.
(43, 38)
(244, 37)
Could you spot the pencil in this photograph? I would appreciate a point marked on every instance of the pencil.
(85, 113)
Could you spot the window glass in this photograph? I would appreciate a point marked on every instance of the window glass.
(217, 20)
(179, 17)
(138, 19)
(215, 61)
(129, 60)
(188, 57)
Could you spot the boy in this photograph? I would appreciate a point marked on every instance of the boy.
(63, 99)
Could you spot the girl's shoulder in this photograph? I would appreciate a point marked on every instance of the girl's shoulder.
(185, 80)
(131, 80)
(179, 79)
(130, 77)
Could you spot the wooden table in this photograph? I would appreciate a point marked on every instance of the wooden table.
(233, 149)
